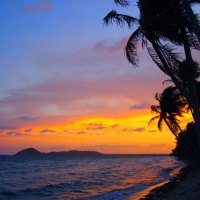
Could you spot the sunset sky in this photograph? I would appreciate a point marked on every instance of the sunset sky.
(66, 84)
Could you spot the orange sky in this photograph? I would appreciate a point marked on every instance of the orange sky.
(126, 135)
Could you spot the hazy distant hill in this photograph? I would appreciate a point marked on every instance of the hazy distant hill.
(29, 152)
(35, 152)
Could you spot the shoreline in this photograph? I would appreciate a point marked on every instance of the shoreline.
(164, 189)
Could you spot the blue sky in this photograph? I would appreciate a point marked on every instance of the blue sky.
(58, 26)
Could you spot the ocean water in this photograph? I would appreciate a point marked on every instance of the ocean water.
(86, 177)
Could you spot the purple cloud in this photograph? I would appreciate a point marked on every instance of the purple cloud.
(45, 5)
(47, 131)
(140, 106)
(27, 118)
(14, 133)
(28, 130)
(2, 128)
(139, 129)
(103, 46)
(95, 126)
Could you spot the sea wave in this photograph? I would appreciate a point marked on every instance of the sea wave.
(83, 178)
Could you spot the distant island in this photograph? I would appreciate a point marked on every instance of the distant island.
(35, 152)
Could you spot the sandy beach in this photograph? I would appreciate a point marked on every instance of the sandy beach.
(186, 186)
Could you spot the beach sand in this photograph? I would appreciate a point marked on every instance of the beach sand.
(186, 186)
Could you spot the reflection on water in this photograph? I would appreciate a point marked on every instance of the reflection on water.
(80, 177)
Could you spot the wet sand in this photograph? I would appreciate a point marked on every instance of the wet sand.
(185, 186)
(143, 193)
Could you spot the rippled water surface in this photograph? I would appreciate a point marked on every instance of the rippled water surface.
(66, 178)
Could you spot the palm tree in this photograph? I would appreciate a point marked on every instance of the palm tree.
(176, 30)
(193, 18)
(150, 29)
(186, 4)
(171, 106)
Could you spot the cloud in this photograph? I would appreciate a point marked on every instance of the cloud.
(139, 129)
(104, 46)
(74, 132)
(45, 5)
(27, 118)
(152, 131)
(14, 133)
(140, 106)
(47, 131)
(95, 87)
(115, 126)
(28, 130)
(77, 133)
(97, 134)
(94, 126)
(2, 128)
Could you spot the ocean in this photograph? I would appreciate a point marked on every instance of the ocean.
(81, 177)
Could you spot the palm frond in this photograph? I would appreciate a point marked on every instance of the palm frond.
(157, 60)
(171, 50)
(188, 71)
(195, 1)
(131, 47)
(160, 124)
(172, 57)
(123, 3)
(119, 19)
(173, 125)
(193, 41)
(155, 109)
(157, 97)
(167, 81)
(144, 42)
(153, 119)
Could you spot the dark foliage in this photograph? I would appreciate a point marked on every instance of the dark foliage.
(188, 135)
(171, 105)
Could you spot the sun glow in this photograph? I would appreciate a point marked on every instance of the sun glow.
(107, 135)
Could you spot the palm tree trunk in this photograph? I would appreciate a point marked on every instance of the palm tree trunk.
(192, 18)
(186, 45)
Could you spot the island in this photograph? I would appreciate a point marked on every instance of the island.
(35, 152)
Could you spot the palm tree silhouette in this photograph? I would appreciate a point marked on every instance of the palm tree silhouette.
(171, 106)
(186, 4)
(189, 135)
(167, 21)
(155, 24)
(193, 18)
